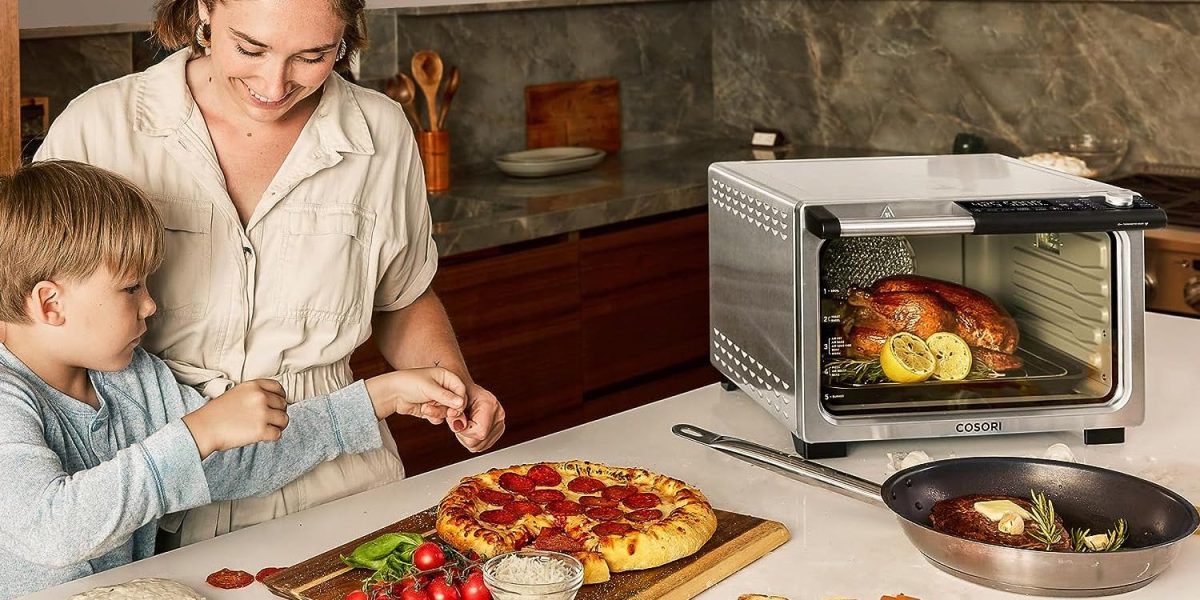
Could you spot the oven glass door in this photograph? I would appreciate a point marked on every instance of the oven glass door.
(954, 322)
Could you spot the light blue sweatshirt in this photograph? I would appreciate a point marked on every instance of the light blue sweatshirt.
(81, 490)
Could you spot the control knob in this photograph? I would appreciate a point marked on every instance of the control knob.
(1119, 198)
(1191, 293)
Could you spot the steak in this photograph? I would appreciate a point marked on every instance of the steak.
(959, 518)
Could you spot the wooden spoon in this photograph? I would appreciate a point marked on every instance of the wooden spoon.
(447, 96)
(427, 70)
(402, 89)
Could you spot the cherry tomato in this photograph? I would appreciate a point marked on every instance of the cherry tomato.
(440, 590)
(473, 588)
(428, 556)
(357, 595)
(414, 594)
(413, 581)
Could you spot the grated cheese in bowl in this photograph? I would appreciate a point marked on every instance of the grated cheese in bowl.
(529, 573)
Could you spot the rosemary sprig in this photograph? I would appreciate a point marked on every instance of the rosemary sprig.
(1047, 531)
(1077, 539)
(862, 371)
(1116, 538)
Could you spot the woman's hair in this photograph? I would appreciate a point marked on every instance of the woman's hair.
(63, 220)
(176, 21)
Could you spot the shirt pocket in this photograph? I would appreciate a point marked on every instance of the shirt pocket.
(323, 272)
(181, 286)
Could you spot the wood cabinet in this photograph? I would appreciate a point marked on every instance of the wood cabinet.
(571, 329)
(10, 88)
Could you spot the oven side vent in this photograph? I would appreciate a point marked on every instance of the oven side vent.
(1063, 299)
(749, 208)
(763, 385)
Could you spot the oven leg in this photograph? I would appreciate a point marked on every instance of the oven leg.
(819, 450)
(728, 385)
(1115, 435)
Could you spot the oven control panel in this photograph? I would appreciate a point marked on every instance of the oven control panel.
(1112, 212)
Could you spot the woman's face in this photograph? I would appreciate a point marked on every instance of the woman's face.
(268, 55)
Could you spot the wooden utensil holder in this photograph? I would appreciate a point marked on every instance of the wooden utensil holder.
(434, 147)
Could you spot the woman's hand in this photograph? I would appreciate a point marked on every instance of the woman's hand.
(432, 393)
(484, 419)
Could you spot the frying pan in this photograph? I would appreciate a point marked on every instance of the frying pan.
(1084, 496)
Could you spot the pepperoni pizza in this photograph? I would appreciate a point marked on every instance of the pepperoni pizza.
(611, 518)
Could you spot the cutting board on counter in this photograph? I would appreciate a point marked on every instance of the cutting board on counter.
(574, 113)
(739, 540)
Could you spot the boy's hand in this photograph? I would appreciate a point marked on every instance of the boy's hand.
(250, 412)
(432, 393)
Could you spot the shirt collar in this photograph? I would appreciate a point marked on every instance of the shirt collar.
(163, 103)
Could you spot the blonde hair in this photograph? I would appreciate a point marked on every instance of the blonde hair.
(176, 22)
(64, 220)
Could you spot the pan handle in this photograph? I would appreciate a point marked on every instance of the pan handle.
(789, 465)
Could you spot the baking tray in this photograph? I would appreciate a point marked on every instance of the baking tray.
(1046, 376)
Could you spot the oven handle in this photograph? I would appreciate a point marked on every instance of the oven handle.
(827, 226)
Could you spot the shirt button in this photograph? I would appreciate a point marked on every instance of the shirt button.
(96, 425)
(248, 250)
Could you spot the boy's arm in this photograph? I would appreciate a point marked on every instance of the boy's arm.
(319, 429)
(49, 517)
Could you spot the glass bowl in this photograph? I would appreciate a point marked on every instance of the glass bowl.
(1101, 154)
(561, 590)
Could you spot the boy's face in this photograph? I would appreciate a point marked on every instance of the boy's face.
(104, 319)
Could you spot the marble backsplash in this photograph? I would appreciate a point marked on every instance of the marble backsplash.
(902, 75)
(909, 75)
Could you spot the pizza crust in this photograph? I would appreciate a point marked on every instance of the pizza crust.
(687, 521)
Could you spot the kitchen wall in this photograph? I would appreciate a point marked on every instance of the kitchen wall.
(660, 52)
(887, 74)
(908, 75)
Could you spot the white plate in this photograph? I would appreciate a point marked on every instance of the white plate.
(520, 168)
(554, 154)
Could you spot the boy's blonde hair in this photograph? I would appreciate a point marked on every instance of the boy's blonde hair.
(63, 220)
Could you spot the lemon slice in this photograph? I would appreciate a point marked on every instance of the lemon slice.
(906, 359)
(952, 355)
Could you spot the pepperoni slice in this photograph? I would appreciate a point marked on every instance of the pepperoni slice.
(516, 483)
(564, 508)
(597, 501)
(523, 507)
(612, 529)
(640, 501)
(646, 514)
(498, 517)
(227, 579)
(603, 513)
(585, 485)
(617, 492)
(555, 539)
(495, 497)
(546, 496)
(544, 475)
(267, 572)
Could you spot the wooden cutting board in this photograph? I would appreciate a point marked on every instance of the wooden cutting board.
(574, 113)
(739, 540)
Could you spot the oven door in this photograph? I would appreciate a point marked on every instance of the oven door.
(973, 308)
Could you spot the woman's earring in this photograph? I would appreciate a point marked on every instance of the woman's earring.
(341, 50)
(201, 37)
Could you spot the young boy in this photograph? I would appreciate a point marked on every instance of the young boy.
(97, 440)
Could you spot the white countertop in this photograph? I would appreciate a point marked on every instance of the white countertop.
(839, 546)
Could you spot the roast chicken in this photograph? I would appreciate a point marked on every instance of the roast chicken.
(924, 306)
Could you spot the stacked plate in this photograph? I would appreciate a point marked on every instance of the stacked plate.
(544, 162)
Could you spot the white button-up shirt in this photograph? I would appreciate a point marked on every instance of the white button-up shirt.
(342, 231)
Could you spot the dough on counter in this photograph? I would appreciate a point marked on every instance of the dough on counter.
(760, 597)
(141, 589)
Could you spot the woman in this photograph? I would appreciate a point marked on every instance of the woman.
(296, 220)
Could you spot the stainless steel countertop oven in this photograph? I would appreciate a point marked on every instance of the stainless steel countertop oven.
(930, 296)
